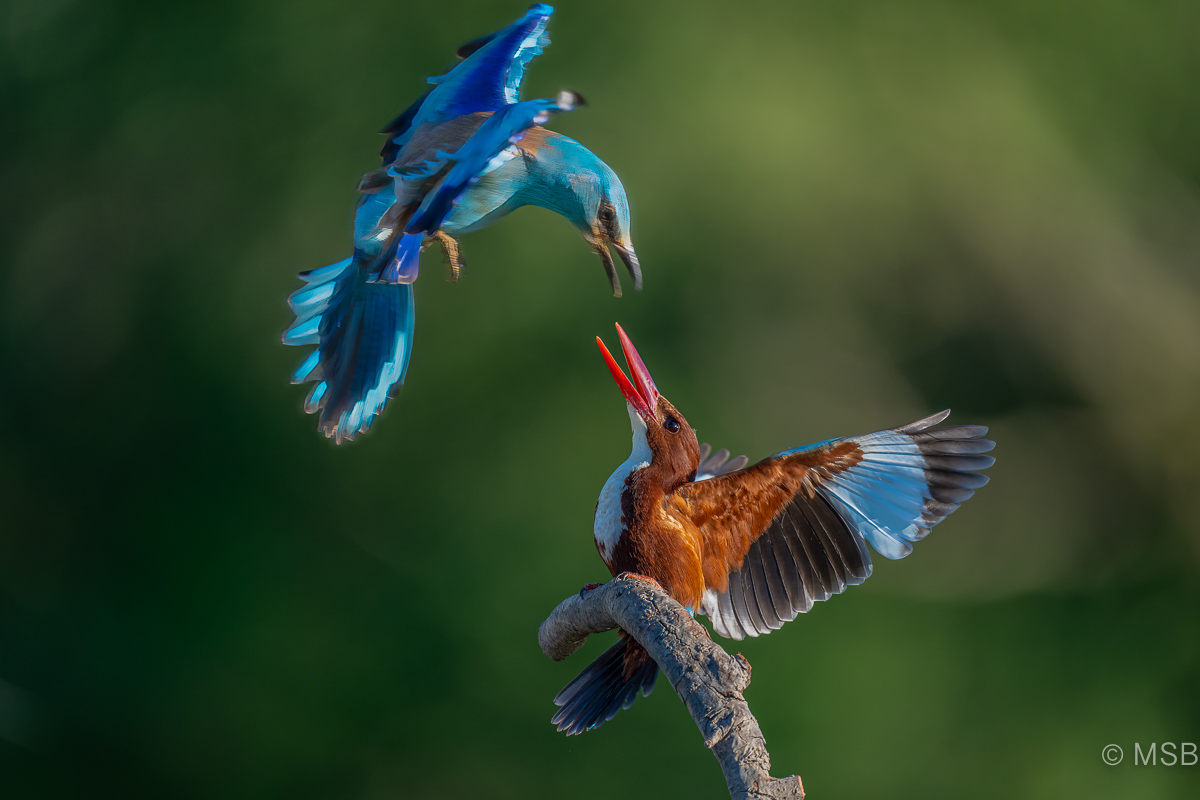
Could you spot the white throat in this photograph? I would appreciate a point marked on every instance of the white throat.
(608, 525)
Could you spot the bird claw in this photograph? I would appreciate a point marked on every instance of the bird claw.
(453, 252)
(587, 587)
(641, 577)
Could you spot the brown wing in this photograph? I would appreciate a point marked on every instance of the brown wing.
(733, 510)
(792, 530)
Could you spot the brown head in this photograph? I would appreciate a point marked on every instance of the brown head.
(674, 451)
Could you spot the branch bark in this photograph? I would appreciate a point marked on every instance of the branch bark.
(708, 680)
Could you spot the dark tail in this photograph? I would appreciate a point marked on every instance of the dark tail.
(602, 689)
(363, 332)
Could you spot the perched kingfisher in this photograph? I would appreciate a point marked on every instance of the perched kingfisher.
(465, 154)
(753, 547)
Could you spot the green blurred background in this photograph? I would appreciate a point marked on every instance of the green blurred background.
(849, 214)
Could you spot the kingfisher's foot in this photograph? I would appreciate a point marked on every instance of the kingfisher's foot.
(587, 587)
(641, 577)
(453, 252)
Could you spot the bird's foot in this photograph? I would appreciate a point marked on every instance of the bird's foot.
(745, 664)
(453, 252)
(587, 587)
(641, 577)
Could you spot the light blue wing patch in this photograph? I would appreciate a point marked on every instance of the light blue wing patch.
(908, 480)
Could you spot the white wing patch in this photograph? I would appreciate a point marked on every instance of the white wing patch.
(533, 43)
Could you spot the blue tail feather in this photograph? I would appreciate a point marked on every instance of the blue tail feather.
(601, 690)
(312, 403)
(363, 331)
(324, 274)
(307, 370)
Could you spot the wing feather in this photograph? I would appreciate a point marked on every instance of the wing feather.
(792, 530)
(490, 76)
(787, 568)
(761, 586)
(458, 171)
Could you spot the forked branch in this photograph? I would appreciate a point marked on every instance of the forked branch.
(708, 680)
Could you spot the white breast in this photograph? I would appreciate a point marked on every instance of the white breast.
(608, 525)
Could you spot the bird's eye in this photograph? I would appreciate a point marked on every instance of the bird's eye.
(606, 214)
(672, 425)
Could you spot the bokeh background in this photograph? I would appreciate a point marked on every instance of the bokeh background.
(849, 214)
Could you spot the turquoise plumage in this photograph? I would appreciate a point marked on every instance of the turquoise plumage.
(458, 159)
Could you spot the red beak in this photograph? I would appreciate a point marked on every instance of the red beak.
(644, 395)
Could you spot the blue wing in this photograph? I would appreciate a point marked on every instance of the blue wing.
(490, 76)
(480, 154)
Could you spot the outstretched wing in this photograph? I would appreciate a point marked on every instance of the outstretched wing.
(490, 75)
(792, 530)
(487, 79)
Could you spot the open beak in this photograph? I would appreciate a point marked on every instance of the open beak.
(625, 251)
(641, 393)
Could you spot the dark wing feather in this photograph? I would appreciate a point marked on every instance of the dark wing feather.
(808, 554)
(398, 129)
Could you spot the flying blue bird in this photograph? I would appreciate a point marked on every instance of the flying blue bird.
(462, 156)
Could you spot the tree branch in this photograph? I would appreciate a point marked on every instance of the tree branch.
(708, 680)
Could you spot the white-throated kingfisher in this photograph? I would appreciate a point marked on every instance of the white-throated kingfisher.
(753, 547)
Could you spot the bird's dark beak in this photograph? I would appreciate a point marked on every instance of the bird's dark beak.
(601, 244)
(625, 251)
(641, 393)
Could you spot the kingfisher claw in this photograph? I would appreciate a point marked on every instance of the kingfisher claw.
(587, 587)
(641, 577)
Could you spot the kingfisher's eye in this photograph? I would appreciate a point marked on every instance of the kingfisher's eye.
(672, 425)
(606, 214)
